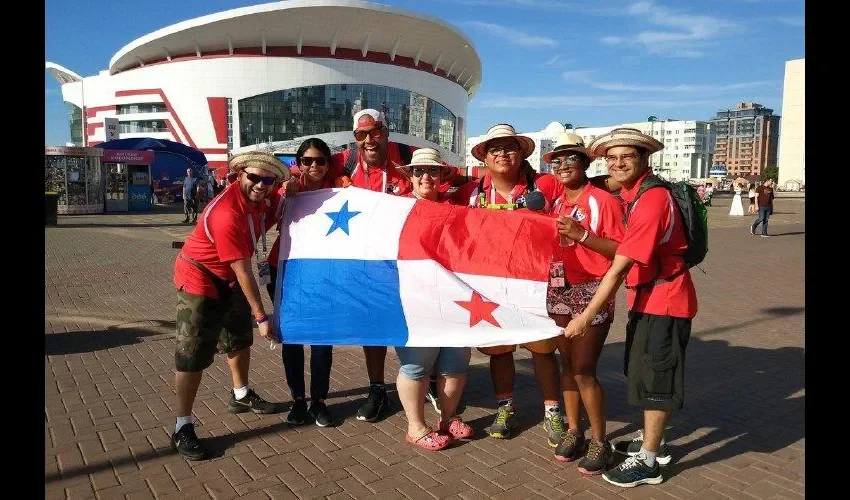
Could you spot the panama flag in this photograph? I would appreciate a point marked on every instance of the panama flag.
(364, 268)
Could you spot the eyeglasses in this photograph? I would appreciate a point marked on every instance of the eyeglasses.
(256, 179)
(320, 161)
(375, 133)
(507, 149)
(433, 171)
(627, 158)
(563, 163)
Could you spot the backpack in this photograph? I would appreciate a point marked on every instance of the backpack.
(693, 212)
(351, 162)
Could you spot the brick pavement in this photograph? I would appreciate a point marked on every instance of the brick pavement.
(109, 399)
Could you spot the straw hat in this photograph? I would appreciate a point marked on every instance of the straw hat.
(568, 142)
(526, 144)
(263, 160)
(424, 157)
(624, 137)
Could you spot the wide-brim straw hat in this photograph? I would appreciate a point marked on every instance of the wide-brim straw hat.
(425, 157)
(526, 144)
(568, 142)
(260, 159)
(624, 137)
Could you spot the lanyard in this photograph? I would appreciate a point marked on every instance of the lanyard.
(261, 257)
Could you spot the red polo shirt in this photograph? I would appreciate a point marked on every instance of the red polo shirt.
(655, 236)
(600, 213)
(372, 178)
(546, 183)
(222, 236)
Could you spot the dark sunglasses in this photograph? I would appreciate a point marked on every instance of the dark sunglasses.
(256, 179)
(433, 171)
(376, 133)
(306, 161)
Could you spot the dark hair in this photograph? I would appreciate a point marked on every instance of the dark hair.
(312, 142)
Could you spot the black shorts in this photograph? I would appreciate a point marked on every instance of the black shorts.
(655, 360)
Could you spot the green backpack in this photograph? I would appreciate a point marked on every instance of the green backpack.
(693, 212)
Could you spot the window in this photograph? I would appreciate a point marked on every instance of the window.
(148, 107)
(142, 126)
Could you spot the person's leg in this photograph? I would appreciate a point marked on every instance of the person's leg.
(548, 377)
(502, 374)
(377, 400)
(765, 218)
(321, 358)
(186, 209)
(756, 222)
(584, 355)
(452, 365)
(292, 356)
(412, 382)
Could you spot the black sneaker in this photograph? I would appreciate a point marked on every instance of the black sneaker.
(320, 413)
(187, 444)
(374, 405)
(632, 448)
(432, 397)
(634, 472)
(570, 446)
(251, 402)
(598, 458)
(752, 230)
(298, 413)
(186, 220)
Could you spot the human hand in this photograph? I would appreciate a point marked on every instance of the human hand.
(266, 331)
(577, 328)
(290, 187)
(569, 227)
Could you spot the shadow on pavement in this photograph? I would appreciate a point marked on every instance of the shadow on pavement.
(57, 344)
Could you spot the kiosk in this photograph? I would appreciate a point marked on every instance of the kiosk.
(129, 180)
(76, 174)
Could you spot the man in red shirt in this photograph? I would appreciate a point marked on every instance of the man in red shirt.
(661, 301)
(511, 184)
(217, 294)
(371, 166)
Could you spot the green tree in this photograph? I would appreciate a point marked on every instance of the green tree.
(770, 173)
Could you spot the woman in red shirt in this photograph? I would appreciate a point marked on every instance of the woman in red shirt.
(590, 224)
(313, 159)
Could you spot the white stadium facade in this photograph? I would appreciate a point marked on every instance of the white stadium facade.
(276, 73)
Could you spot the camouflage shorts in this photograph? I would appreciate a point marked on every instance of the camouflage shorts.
(206, 325)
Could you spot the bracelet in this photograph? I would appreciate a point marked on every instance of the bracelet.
(584, 236)
(261, 319)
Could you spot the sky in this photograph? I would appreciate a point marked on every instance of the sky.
(585, 62)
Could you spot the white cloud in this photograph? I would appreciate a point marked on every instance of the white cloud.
(585, 78)
(558, 61)
(796, 21)
(511, 35)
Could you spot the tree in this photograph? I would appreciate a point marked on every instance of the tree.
(770, 173)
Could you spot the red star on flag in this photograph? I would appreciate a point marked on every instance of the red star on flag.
(479, 310)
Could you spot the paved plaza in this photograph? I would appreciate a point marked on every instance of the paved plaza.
(109, 397)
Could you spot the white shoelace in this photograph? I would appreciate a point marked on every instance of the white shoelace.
(633, 461)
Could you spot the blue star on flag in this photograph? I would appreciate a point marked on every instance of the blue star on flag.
(340, 219)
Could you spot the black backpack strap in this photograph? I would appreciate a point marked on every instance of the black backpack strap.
(351, 162)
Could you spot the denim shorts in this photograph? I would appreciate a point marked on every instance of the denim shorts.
(418, 362)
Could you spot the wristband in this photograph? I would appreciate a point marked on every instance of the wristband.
(261, 319)
(584, 236)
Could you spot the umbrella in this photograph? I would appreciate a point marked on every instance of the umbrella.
(147, 143)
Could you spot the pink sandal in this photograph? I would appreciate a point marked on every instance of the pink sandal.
(456, 428)
(430, 440)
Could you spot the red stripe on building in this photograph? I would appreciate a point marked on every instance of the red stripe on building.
(91, 127)
(218, 113)
(161, 94)
(214, 151)
(172, 131)
(91, 112)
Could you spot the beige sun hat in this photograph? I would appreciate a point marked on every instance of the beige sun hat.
(526, 144)
(424, 157)
(568, 142)
(624, 137)
(260, 159)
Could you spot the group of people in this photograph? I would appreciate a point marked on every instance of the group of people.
(606, 237)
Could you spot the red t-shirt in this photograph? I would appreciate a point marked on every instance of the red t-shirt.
(372, 178)
(222, 236)
(546, 183)
(600, 213)
(655, 236)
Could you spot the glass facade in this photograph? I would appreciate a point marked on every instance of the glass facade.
(320, 109)
(136, 126)
(145, 107)
(75, 121)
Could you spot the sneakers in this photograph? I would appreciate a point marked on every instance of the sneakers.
(187, 444)
(570, 446)
(375, 403)
(251, 402)
(553, 424)
(632, 448)
(634, 472)
(320, 413)
(186, 220)
(502, 426)
(431, 396)
(298, 413)
(599, 456)
(765, 235)
(753, 230)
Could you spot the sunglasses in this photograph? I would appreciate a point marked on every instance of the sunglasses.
(320, 161)
(506, 150)
(433, 171)
(256, 179)
(375, 133)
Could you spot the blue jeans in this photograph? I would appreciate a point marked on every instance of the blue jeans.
(418, 362)
(764, 214)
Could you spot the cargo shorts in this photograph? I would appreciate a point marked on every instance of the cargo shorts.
(206, 325)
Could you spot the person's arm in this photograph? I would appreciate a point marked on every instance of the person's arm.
(607, 288)
(245, 277)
